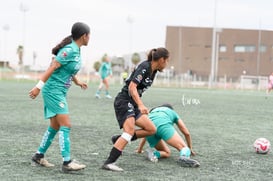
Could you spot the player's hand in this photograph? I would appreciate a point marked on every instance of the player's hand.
(193, 153)
(34, 92)
(139, 151)
(83, 85)
(143, 109)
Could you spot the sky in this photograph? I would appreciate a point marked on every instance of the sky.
(118, 27)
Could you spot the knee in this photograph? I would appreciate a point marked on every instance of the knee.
(152, 130)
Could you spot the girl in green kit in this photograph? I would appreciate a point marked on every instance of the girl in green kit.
(54, 83)
(105, 72)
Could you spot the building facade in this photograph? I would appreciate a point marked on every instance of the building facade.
(237, 51)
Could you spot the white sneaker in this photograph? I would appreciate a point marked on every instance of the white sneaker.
(151, 156)
(73, 166)
(112, 167)
(108, 96)
(38, 159)
(97, 96)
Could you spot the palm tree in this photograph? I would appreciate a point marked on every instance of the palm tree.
(135, 58)
(96, 66)
(20, 53)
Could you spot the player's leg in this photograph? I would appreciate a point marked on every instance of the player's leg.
(148, 127)
(47, 139)
(120, 143)
(184, 152)
(64, 143)
(97, 95)
(106, 83)
(163, 150)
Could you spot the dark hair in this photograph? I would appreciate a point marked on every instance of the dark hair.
(163, 105)
(78, 29)
(157, 53)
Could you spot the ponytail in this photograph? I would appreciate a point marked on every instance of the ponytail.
(157, 53)
(64, 42)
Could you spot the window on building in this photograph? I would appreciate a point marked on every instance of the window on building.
(263, 48)
(244, 48)
(223, 48)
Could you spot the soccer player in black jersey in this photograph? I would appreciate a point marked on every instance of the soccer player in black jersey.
(129, 108)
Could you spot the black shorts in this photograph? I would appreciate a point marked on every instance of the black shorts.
(125, 108)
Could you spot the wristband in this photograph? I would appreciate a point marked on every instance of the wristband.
(40, 84)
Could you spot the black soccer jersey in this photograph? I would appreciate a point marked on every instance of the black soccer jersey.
(142, 76)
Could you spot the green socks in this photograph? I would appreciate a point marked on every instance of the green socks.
(64, 142)
(186, 152)
(47, 140)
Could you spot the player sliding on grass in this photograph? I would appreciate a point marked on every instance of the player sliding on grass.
(129, 108)
(54, 84)
(164, 117)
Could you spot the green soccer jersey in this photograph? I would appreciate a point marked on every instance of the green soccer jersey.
(61, 79)
(163, 115)
(105, 70)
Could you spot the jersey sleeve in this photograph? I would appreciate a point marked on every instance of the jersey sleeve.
(64, 55)
(175, 116)
(139, 73)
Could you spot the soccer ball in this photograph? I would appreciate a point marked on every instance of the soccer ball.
(262, 145)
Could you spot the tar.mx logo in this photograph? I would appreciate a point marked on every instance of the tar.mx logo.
(189, 101)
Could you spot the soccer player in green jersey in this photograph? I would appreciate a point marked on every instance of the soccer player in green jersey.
(54, 84)
(105, 73)
(164, 117)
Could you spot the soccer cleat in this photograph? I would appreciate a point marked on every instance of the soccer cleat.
(112, 167)
(108, 96)
(151, 156)
(73, 166)
(188, 162)
(97, 96)
(115, 138)
(38, 159)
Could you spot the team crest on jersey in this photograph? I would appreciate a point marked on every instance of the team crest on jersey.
(64, 54)
(139, 78)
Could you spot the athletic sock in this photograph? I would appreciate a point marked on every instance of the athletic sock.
(134, 137)
(185, 152)
(157, 154)
(47, 140)
(114, 155)
(98, 92)
(106, 92)
(64, 142)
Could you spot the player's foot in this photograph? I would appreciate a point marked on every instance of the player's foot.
(151, 156)
(38, 159)
(112, 167)
(97, 96)
(108, 96)
(188, 162)
(115, 138)
(73, 166)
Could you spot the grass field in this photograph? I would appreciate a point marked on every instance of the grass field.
(223, 124)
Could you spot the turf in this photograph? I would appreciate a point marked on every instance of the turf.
(223, 124)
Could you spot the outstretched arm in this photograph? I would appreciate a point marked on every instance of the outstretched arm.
(182, 127)
(141, 145)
